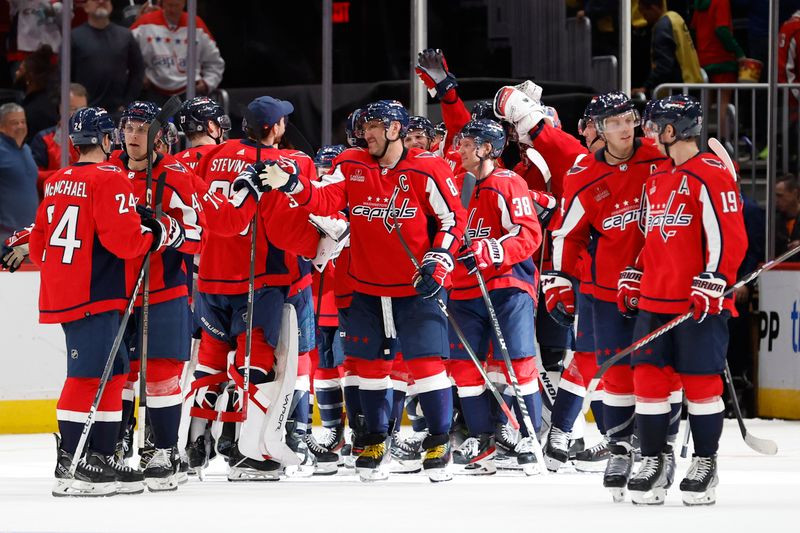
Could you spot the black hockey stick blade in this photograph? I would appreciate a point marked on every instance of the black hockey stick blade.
(169, 108)
(296, 138)
(467, 188)
(160, 182)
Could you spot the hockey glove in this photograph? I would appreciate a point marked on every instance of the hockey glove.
(282, 174)
(545, 205)
(628, 291)
(481, 254)
(515, 107)
(533, 91)
(248, 180)
(15, 248)
(559, 297)
(166, 231)
(432, 70)
(708, 289)
(432, 273)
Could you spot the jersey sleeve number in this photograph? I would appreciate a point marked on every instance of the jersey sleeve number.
(125, 203)
(522, 206)
(730, 203)
(65, 233)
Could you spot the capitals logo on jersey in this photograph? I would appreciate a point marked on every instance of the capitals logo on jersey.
(386, 209)
(670, 214)
(625, 212)
(480, 231)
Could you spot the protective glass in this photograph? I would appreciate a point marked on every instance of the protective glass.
(618, 123)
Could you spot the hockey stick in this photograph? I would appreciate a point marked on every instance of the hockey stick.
(468, 185)
(723, 154)
(687, 432)
(251, 291)
(762, 446)
(675, 322)
(87, 426)
(535, 157)
(170, 108)
(461, 337)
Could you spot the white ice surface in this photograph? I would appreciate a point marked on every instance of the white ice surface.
(757, 494)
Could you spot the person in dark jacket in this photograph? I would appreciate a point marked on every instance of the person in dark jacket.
(36, 76)
(18, 200)
(787, 219)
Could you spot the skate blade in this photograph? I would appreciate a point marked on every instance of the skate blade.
(182, 477)
(132, 487)
(507, 463)
(531, 469)
(617, 494)
(592, 467)
(369, 475)
(326, 469)
(238, 474)
(158, 484)
(552, 464)
(401, 466)
(300, 470)
(438, 475)
(80, 489)
(655, 496)
(709, 497)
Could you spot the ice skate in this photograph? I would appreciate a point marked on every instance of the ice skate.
(296, 442)
(327, 460)
(242, 468)
(129, 480)
(556, 449)
(618, 469)
(649, 485)
(437, 458)
(699, 485)
(475, 457)
(406, 455)
(506, 439)
(161, 473)
(593, 459)
(373, 463)
(526, 458)
(93, 477)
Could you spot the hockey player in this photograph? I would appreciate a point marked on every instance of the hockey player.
(205, 125)
(583, 366)
(602, 198)
(223, 288)
(382, 186)
(169, 316)
(420, 133)
(504, 229)
(85, 229)
(695, 241)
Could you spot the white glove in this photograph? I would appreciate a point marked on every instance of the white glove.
(533, 91)
(517, 108)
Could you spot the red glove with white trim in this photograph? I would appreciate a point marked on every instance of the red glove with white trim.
(708, 289)
(559, 296)
(15, 248)
(628, 290)
(481, 254)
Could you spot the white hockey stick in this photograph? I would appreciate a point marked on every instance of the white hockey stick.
(723, 154)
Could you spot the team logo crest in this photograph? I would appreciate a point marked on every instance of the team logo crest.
(73, 353)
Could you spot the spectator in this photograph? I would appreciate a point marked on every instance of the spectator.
(36, 74)
(33, 24)
(672, 53)
(787, 206)
(162, 38)
(45, 147)
(604, 15)
(106, 59)
(18, 201)
(717, 50)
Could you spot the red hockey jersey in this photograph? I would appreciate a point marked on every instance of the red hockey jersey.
(604, 202)
(168, 276)
(190, 158)
(85, 228)
(424, 198)
(501, 209)
(694, 224)
(283, 233)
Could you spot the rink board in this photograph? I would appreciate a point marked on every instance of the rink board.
(779, 351)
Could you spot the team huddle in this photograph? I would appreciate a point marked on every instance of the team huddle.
(408, 272)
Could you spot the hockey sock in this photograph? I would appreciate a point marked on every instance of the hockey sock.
(533, 402)
(127, 411)
(299, 414)
(399, 377)
(476, 407)
(328, 390)
(597, 412)
(706, 411)
(618, 403)
(375, 394)
(164, 400)
(434, 392)
(73, 409)
(652, 423)
(566, 408)
(352, 398)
